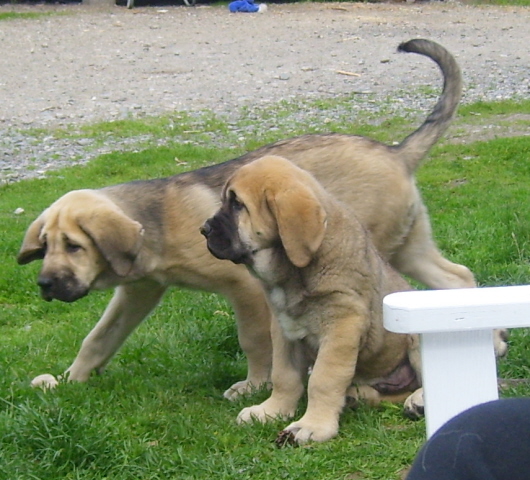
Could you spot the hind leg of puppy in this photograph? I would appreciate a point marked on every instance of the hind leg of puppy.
(413, 403)
(289, 368)
(129, 306)
(253, 317)
(414, 406)
(420, 259)
(366, 394)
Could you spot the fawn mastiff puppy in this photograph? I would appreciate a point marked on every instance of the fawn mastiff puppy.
(325, 281)
(142, 237)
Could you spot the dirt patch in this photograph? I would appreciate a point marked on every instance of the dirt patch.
(83, 64)
(90, 64)
(515, 125)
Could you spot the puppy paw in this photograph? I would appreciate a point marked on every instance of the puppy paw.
(358, 394)
(285, 438)
(500, 342)
(414, 407)
(45, 381)
(242, 388)
(263, 413)
(302, 432)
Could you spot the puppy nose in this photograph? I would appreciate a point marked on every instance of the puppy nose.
(44, 282)
(206, 229)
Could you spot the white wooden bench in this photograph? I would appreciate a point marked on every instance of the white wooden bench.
(456, 331)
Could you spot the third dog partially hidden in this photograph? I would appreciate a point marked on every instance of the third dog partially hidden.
(326, 284)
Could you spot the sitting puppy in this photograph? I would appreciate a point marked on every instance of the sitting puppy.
(325, 282)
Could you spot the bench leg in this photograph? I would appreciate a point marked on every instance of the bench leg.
(459, 371)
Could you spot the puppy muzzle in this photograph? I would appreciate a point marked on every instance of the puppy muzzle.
(65, 289)
(222, 239)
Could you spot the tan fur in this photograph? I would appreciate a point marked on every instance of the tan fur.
(300, 220)
(141, 259)
(326, 283)
(142, 237)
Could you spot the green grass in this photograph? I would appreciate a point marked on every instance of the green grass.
(23, 15)
(506, 107)
(158, 411)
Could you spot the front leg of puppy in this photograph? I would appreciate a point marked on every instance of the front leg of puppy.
(288, 373)
(129, 306)
(332, 374)
(253, 317)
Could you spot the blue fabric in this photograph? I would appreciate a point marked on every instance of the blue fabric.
(243, 6)
(490, 441)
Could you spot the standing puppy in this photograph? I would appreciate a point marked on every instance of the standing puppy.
(325, 282)
(142, 237)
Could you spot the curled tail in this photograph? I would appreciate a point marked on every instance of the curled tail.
(413, 148)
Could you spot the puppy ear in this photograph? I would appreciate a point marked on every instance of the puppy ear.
(32, 248)
(117, 236)
(301, 221)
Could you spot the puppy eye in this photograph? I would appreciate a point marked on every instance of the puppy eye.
(72, 247)
(237, 205)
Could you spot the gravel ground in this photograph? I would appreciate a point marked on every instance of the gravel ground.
(92, 64)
